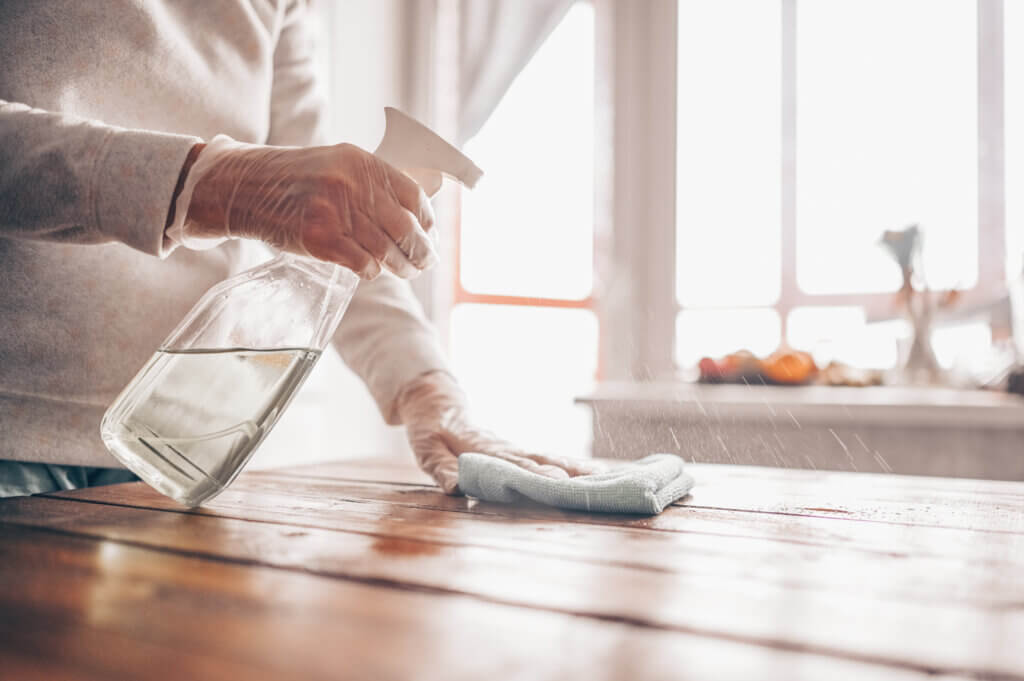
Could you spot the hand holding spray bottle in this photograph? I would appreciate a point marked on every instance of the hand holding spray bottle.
(196, 412)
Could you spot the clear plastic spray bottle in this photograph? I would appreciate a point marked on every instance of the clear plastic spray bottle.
(195, 413)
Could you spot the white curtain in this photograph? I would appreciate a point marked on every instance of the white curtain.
(496, 40)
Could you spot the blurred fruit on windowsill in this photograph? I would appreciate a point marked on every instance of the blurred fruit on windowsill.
(783, 367)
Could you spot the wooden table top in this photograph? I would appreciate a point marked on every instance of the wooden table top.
(361, 569)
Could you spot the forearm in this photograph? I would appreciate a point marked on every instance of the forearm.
(387, 341)
(69, 179)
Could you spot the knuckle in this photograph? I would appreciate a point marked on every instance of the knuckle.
(319, 211)
(376, 248)
(406, 243)
(359, 259)
(398, 225)
(346, 149)
(361, 269)
(369, 236)
(426, 216)
(364, 265)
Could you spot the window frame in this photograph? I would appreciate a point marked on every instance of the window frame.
(633, 295)
(639, 40)
(991, 207)
(456, 293)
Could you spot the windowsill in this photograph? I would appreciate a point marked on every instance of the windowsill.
(810, 405)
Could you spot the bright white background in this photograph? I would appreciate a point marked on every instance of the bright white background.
(886, 136)
(886, 131)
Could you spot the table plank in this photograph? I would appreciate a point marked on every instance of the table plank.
(401, 471)
(29, 663)
(982, 505)
(985, 505)
(847, 554)
(94, 608)
(385, 470)
(855, 625)
(48, 647)
(1004, 519)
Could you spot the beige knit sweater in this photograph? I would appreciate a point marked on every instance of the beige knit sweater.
(99, 104)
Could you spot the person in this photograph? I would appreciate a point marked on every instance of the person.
(104, 110)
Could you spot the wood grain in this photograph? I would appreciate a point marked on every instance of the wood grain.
(364, 569)
(400, 471)
(82, 609)
(872, 610)
(985, 505)
(669, 542)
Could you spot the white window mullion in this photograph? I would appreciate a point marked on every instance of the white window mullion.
(991, 146)
(636, 256)
(788, 291)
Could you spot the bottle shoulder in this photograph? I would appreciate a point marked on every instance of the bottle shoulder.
(287, 269)
(280, 303)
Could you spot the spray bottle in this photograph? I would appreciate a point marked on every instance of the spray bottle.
(196, 412)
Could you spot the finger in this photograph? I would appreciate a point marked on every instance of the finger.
(485, 443)
(447, 477)
(397, 205)
(440, 463)
(547, 470)
(380, 246)
(411, 196)
(480, 441)
(343, 251)
(574, 467)
(397, 262)
(405, 230)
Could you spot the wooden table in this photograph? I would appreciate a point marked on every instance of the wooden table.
(362, 570)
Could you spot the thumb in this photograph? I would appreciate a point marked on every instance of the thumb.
(440, 463)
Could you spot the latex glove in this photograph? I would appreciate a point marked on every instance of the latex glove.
(433, 409)
(338, 203)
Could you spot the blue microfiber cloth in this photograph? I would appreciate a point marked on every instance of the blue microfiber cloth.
(645, 486)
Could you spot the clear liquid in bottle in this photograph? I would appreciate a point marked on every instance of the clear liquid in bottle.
(191, 418)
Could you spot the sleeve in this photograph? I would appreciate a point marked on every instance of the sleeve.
(384, 336)
(75, 180)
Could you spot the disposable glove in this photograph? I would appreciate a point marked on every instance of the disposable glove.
(337, 203)
(433, 409)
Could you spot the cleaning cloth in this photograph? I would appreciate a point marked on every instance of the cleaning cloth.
(645, 486)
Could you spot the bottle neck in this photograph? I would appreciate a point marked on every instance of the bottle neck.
(325, 272)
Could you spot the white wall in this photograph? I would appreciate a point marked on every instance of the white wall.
(365, 49)
(363, 60)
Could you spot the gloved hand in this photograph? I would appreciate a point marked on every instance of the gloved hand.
(338, 203)
(433, 409)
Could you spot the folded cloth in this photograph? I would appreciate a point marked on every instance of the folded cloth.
(645, 486)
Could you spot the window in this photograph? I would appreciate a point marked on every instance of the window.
(535, 204)
(806, 129)
(728, 146)
(712, 176)
(728, 175)
(522, 323)
(1013, 79)
(886, 136)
